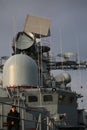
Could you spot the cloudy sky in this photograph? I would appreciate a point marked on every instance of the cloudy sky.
(68, 27)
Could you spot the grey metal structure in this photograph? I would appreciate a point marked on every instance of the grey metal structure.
(45, 102)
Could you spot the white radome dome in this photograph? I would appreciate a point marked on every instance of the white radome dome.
(20, 70)
(63, 77)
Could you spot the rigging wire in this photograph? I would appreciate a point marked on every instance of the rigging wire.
(14, 33)
(79, 70)
(61, 50)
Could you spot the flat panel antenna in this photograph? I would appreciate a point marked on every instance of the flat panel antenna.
(37, 25)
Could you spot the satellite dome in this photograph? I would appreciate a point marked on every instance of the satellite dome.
(20, 70)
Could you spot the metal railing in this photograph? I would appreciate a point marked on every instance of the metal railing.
(38, 122)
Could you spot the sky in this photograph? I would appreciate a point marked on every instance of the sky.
(68, 29)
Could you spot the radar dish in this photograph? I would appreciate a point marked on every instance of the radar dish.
(23, 41)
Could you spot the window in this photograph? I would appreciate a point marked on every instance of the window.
(32, 98)
(47, 98)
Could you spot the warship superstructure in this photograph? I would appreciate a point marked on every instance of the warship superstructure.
(45, 102)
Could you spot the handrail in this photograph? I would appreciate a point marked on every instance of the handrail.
(29, 109)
